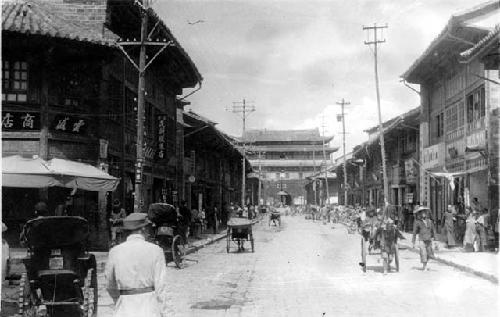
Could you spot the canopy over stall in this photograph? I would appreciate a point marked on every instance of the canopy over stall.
(18, 171)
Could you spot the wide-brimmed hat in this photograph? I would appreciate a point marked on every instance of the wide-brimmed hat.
(420, 209)
(135, 220)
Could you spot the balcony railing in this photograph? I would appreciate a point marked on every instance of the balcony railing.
(476, 124)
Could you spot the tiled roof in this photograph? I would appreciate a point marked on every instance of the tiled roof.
(415, 112)
(35, 17)
(492, 36)
(456, 21)
(197, 117)
(284, 135)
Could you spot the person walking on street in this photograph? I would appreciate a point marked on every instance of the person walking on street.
(117, 215)
(424, 227)
(481, 226)
(184, 222)
(136, 273)
(449, 226)
(470, 237)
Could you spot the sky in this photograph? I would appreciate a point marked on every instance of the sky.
(294, 60)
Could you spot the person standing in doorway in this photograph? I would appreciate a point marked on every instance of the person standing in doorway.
(424, 228)
(136, 273)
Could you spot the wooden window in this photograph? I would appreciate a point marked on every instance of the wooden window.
(476, 105)
(439, 122)
(14, 81)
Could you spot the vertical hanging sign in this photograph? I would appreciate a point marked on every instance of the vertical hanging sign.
(162, 122)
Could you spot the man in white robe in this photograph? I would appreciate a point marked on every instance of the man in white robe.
(136, 273)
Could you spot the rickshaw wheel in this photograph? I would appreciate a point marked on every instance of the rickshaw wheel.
(363, 253)
(396, 257)
(176, 252)
(228, 240)
(90, 294)
(25, 302)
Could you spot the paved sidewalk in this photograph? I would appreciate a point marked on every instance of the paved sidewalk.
(483, 264)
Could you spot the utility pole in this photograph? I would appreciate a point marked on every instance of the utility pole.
(324, 160)
(143, 43)
(375, 43)
(245, 110)
(314, 178)
(342, 104)
(259, 192)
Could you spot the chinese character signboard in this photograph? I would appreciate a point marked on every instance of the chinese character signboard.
(70, 124)
(162, 124)
(20, 121)
(411, 171)
(433, 156)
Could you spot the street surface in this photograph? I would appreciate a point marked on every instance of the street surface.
(306, 268)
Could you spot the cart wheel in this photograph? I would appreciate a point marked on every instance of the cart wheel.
(363, 253)
(396, 257)
(176, 251)
(228, 240)
(252, 243)
(90, 294)
(25, 302)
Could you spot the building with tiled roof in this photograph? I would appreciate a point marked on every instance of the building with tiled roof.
(285, 158)
(458, 78)
(69, 91)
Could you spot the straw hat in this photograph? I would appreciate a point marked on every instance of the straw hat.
(135, 220)
(420, 209)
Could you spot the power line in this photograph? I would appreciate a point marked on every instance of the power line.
(375, 43)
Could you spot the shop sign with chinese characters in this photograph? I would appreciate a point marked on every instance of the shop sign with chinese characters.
(162, 123)
(20, 121)
(69, 124)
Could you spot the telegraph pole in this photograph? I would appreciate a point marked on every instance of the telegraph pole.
(342, 104)
(144, 42)
(324, 160)
(375, 43)
(259, 192)
(245, 110)
(314, 178)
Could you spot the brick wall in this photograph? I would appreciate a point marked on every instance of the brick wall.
(88, 12)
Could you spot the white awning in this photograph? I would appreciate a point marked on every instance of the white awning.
(18, 171)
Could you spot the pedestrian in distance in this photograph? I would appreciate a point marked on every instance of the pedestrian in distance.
(117, 215)
(136, 273)
(449, 226)
(184, 222)
(471, 236)
(424, 228)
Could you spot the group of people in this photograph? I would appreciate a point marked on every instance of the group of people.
(470, 228)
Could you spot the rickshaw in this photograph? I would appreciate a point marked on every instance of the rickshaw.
(61, 276)
(166, 231)
(275, 217)
(382, 235)
(239, 230)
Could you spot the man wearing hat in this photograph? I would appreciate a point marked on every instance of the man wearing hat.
(424, 227)
(136, 273)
